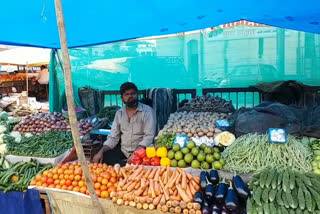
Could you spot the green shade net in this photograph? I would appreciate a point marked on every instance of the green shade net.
(233, 55)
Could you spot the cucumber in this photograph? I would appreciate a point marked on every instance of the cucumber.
(280, 175)
(298, 211)
(266, 209)
(279, 198)
(301, 200)
(312, 175)
(290, 200)
(315, 196)
(270, 176)
(249, 206)
(284, 199)
(292, 179)
(274, 181)
(257, 196)
(260, 210)
(285, 181)
(265, 195)
(263, 178)
(272, 208)
(284, 210)
(308, 200)
(316, 184)
(291, 211)
(272, 195)
(306, 180)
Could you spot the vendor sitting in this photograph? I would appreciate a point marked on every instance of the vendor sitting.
(134, 126)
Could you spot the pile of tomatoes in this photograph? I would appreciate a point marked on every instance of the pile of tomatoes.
(69, 176)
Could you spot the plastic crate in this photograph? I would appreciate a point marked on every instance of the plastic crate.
(90, 149)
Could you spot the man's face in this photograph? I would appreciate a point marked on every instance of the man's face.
(129, 96)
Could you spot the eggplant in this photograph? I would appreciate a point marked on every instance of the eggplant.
(221, 192)
(205, 202)
(240, 187)
(198, 197)
(206, 210)
(214, 177)
(203, 180)
(209, 192)
(231, 200)
(224, 212)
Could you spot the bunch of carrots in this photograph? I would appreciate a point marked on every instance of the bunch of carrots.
(157, 188)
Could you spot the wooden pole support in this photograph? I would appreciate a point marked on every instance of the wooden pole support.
(71, 107)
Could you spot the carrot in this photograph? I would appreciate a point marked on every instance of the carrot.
(162, 176)
(136, 173)
(165, 179)
(169, 204)
(114, 199)
(145, 193)
(163, 200)
(183, 204)
(192, 189)
(137, 199)
(165, 193)
(139, 205)
(151, 207)
(175, 193)
(123, 182)
(149, 200)
(171, 209)
(198, 212)
(137, 186)
(170, 192)
(185, 211)
(163, 169)
(146, 175)
(192, 211)
(153, 194)
(171, 179)
(183, 195)
(127, 185)
(138, 178)
(126, 203)
(189, 176)
(178, 179)
(195, 185)
(177, 210)
(119, 201)
(156, 201)
(196, 206)
(132, 204)
(156, 177)
(184, 181)
(174, 188)
(145, 206)
(188, 192)
(196, 179)
(123, 173)
(143, 199)
(156, 188)
(164, 208)
(159, 208)
(189, 205)
(172, 182)
(152, 174)
(131, 187)
(175, 203)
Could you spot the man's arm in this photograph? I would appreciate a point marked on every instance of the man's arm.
(149, 129)
(112, 141)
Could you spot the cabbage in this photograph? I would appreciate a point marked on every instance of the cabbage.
(4, 115)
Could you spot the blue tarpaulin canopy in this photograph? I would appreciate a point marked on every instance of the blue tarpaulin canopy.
(33, 22)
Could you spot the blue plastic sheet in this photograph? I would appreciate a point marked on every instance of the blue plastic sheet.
(33, 22)
(20, 203)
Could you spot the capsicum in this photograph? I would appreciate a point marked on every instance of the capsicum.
(146, 161)
(155, 161)
(151, 152)
(141, 152)
(136, 160)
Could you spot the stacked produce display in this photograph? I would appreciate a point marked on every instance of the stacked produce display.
(157, 188)
(11, 78)
(196, 156)
(69, 176)
(284, 191)
(45, 122)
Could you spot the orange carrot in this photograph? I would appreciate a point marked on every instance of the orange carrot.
(175, 193)
(195, 185)
(156, 188)
(123, 173)
(153, 194)
(131, 187)
(165, 178)
(156, 201)
(192, 189)
(146, 175)
(196, 179)
(152, 174)
(183, 195)
(138, 178)
(157, 175)
(136, 173)
(163, 200)
(184, 181)
(178, 179)
(188, 192)
(137, 186)
(165, 193)
(170, 191)
(163, 169)
(127, 185)
(189, 176)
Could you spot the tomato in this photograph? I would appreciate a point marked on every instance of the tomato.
(54, 171)
(62, 182)
(60, 171)
(107, 175)
(68, 182)
(87, 192)
(71, 177)
(66, 177)
(81, 183)
(76, 189)
(50, 175)
(104, 194)
(74, 183)
(64, 187)
(97, 185)
(45, 173)
(44, 179)
(70, 188)
(83, 189)
(78, 171)
(56, 182)
(113, 180)
(98, 192)
(38, 177)
(94, 178)
(104, 181)
(58, 186)
(39, 183)
(33, 183)
(103, 187)
(77, 178)
(111, 189)
(44, 185)
(50, 181)
(55, 176)
(99, 179)
(52, 186)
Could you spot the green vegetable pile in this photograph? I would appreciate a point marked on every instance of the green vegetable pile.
(18, 176)
(49, 144)
(108, 112)
(316, 156)
(284, 191)
(253, 152)
(165, 140)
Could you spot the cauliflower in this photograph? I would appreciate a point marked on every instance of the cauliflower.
(28, 135)
(3, 129)
(3, 149)
(17, 136)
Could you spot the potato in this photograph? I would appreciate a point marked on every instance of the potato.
(189, 135)
(210, 134)
(200, 134)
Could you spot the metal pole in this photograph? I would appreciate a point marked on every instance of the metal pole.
(71, 106)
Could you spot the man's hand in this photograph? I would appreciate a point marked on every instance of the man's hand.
(98, 158)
